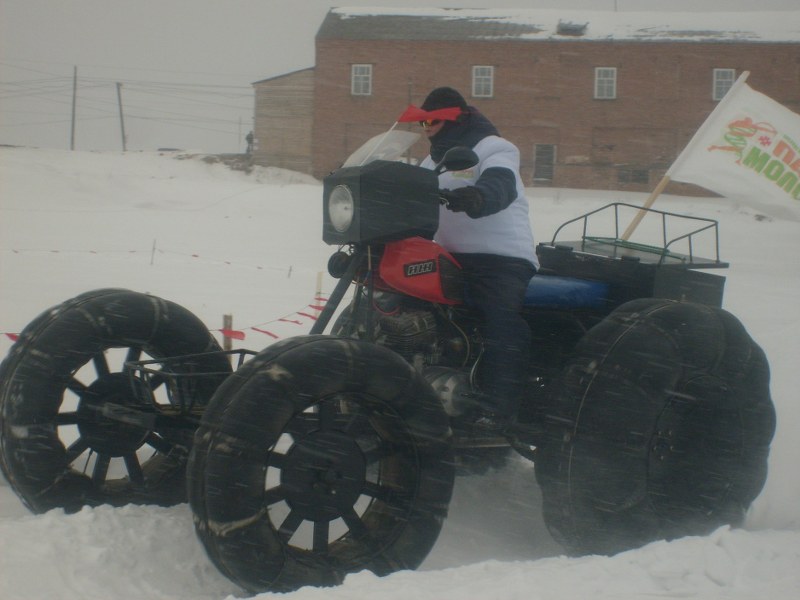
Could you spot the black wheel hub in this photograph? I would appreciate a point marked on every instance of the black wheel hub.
(324, 475)
(113, 417)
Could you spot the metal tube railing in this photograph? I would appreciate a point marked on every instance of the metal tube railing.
(666, 243)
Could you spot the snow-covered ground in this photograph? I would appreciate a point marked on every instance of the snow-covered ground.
(223, 242)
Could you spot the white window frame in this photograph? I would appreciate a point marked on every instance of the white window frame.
(361, 79)
(722, 81)
(482, 81)
(605, 83)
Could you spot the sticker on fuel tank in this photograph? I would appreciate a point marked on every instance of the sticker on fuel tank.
(420, 268)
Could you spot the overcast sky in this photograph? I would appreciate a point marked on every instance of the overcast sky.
(185, 66)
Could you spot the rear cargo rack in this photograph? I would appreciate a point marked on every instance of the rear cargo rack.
(666, 254)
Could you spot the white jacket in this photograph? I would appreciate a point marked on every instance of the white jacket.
(506, 233)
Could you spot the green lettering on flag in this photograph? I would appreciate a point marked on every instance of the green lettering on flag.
(774, 170)
(787, 181)
(756, 159)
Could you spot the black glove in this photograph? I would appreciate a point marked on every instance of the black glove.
(466, 199)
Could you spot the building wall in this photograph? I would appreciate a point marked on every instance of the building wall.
(282, 130)
(544, 95)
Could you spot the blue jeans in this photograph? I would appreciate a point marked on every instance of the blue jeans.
(495, 285)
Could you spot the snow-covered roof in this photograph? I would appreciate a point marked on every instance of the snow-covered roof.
(536, 24)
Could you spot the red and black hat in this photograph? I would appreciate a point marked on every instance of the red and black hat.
(443, 104)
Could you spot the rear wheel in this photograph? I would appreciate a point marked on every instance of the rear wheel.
(659, 428)
(76, 430)
(322, 457)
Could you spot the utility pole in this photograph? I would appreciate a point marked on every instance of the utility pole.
(74, 96)
(121, 119)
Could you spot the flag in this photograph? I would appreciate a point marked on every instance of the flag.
(413, 113)
(749, 149)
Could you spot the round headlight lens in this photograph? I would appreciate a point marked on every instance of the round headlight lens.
(340, 208)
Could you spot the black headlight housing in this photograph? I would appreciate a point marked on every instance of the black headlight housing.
(379, 202)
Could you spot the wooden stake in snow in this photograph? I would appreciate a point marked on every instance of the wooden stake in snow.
(318, 294)
(227, 325)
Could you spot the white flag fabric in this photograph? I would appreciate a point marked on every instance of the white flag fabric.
(747, 149)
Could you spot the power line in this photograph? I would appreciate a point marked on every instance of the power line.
(211, 107)
(179, 85)
(176, 123)
(119, 68)
(65, 120)
(7, 64)
(194, 93)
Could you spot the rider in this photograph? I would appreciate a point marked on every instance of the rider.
(485, 225)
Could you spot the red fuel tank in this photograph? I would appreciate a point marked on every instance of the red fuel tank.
(423, 269)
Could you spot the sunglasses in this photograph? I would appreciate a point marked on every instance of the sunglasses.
(429, 123)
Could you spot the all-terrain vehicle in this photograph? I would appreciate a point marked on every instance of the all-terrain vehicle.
(648, 412)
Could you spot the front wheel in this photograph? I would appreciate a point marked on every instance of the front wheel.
(659, 428)
(323, 456)
(76, 430)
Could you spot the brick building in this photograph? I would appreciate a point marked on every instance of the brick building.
(600, 100)
(282, 121)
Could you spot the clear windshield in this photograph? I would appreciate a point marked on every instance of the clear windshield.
(390, 145)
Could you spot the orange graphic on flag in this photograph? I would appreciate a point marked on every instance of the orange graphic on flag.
(739, 131)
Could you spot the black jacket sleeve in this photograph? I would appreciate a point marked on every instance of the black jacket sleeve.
(498, 186)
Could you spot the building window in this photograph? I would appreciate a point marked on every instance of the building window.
(544, 160)
(605, 83)
(482, 82)
(361, 80)
(633, 176)
(723, 80)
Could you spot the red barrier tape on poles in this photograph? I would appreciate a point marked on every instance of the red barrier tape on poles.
(232, 333)
(237, 334)
(269, 333)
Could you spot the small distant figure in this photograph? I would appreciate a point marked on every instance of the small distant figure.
(250, 139)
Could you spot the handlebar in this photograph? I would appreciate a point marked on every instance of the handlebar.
(444, 197)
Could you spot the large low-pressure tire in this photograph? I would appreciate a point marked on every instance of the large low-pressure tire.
(322, 456)
(659, 428)
(73, 431)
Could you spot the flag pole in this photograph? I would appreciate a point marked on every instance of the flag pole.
(682, 156)
(648, 203)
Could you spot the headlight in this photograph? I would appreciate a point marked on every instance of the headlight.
(381, 201)
(340, 208)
